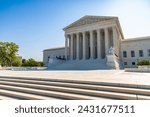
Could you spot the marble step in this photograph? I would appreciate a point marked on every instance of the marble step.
(11, 94)
(30, 83)
(141, 97)
(58, 89)
(39, 92)
(2, 97)
(20, 79)
(105, 94)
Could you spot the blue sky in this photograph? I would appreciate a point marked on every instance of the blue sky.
(36, 25)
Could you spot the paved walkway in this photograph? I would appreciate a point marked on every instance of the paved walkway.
(113, 76)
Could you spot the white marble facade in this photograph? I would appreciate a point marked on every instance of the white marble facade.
(50, 55)
(101, 38)
(91, 37)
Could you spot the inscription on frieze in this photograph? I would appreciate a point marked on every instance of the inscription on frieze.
(88, 21)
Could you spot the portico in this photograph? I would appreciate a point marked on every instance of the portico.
(92, 38)
(90, 44)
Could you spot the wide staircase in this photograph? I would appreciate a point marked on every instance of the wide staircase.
(50, 89)
(93, 64)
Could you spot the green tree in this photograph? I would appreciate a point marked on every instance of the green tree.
(8, 51)
(17, 62)
(31, 62)
(24, 62)
(41, 64)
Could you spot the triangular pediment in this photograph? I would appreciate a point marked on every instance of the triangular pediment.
(88, 20)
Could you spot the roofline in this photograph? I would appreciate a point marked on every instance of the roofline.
(88, 16)
(137, 39)
(56, 48)
(113, 17)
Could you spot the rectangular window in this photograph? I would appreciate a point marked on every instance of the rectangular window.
(125, 63)
(133, 63)
(148, 52)
(124, 54)
(132, 53)
(141, 53)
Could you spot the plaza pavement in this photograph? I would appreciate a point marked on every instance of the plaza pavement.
(107, 76)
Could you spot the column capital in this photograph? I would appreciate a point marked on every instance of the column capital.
(106, 29)
(91, 31)
(77, 34)
(83, 32)
(113, 27)
(98, 29)
(66, 35)
(71, 35)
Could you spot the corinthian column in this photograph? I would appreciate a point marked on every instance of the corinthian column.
(77, 46)
(98, 44)
(114, 36)
(115, 40)
(91, 45)
(106, 41)
(66, 47)
(71, 39)
(84, 46)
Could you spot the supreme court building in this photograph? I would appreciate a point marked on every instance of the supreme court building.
(97, 42)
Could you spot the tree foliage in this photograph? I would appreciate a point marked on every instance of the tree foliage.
(8, 51)
(17, 62)
(8, 56)
(31, 63)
